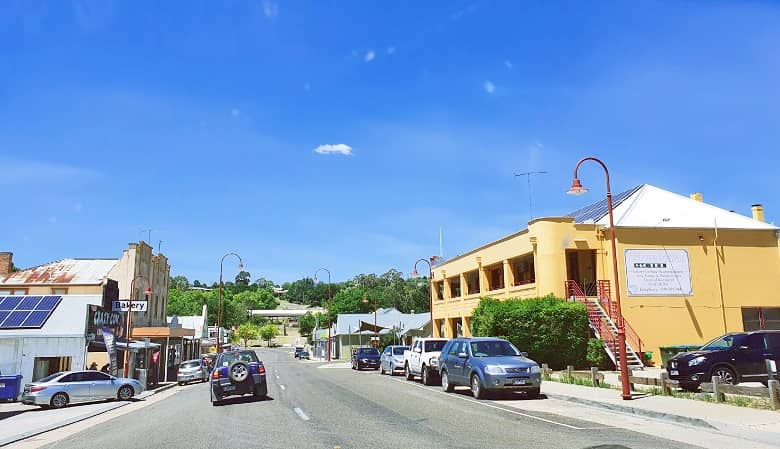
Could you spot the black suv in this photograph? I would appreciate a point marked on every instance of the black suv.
(237, 373)
(365, 358)
(735, 357)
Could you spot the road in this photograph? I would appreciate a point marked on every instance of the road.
(316, 406)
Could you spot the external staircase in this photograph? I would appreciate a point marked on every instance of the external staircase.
(602, 318)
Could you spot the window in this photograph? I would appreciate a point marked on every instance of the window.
(59, 291)
(45, 366)
(399, 350)
(434, 345)
(773, 340)
(472, 282)
(495, 277)
(758, 318)
(455, 287)
(439, 289)
(12, 291)
(97, 376)
(523, 269)
(455, 348)
(754, 342)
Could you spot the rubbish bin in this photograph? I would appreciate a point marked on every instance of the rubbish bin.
(10, 387)
(140, 374)
(667, 352)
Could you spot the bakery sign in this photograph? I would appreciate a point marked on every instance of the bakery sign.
(658, 272)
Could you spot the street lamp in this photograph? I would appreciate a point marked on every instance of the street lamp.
(578, 189)
(330, 303)
(376, 333)
(219, 300)
(430, 289)
(147, 293)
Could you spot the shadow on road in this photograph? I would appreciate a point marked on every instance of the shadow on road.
(243, 400)
(4, 415)
(502, 395)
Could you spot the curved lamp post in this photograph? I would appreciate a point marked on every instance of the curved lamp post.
(147, 293)
(578, 189)
(330, 303)
(430, 289)
(219, 301)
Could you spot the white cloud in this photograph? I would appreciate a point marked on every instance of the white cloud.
(17, 171)
(390, 50)
(338, 148)
(270, 9)
(508, 64)
(370, 55)
(489, 87)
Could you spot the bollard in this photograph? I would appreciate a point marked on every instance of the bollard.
(569, 369)
(594, 376)
(546, 371)
(774, 394)
(770, 372)
(716, 389)
(665, 390)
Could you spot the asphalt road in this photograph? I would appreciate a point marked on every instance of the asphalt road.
(312, 407)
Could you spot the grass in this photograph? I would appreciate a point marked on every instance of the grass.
(585, 382)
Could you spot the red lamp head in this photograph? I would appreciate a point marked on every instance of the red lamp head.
(576, 188)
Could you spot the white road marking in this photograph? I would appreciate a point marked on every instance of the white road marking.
(515, 412)
(281, 386)
(300, 414)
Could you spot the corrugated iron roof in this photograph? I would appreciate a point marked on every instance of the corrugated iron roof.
(65, 271)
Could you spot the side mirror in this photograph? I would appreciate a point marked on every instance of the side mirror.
(463, 355)
(418, 350)
(524, 354)
(744, 348)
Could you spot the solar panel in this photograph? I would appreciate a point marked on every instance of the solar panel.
(596, 211)
(29, 312)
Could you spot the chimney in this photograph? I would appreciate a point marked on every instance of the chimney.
(6, 263)
(696, 196)
(758, 212)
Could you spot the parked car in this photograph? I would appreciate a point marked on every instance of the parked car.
(63, 388)
(488, 364)
(192, 370)
(365, 358)
(298, 350)
(237, 373)
(304, 355)
(208, 360)
(735, 357)
(392, 359)
(423, 359)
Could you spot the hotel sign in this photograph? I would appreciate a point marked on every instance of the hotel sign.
(658, 272)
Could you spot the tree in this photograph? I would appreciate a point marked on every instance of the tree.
(247, 331)
(242, 278)
(306, 323)
(179, 282)
(268, 332)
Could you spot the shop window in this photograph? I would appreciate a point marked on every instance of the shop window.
(455, 286)
(472, 282)
(496, 277)
(758, 318)
(59, 291)
(12, 291)
(523, 269)
(46, 366)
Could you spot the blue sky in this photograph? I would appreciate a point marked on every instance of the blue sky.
(200, 120)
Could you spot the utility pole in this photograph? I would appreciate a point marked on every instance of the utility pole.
(530, 197)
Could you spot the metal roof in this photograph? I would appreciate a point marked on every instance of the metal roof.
(65, 271)
(598, 210)
(348, 323)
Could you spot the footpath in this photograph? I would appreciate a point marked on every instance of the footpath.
(20, 421)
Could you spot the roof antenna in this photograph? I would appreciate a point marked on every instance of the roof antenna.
(530, 197)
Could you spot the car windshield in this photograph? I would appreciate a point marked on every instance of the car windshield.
(399, 350)
(243, 356)
(498, 348)
(436, 345)
(49, 377)
(368, 351)
(190, 364)
(721, 343)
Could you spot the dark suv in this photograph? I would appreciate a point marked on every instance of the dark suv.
(365, 358)
(237, 373)
(735, 357)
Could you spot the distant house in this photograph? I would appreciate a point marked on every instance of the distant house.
(357, 329)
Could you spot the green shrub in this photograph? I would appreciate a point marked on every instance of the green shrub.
(597, 355)
(550, 329)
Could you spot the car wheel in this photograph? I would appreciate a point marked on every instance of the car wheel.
(533, 394)
(181, 383)
(238, 372)
(445, 382)
(125, 393)
(261, 391)
(409, 375)
(425, 376)
(476, 387)
(726, 374)
(59, 400)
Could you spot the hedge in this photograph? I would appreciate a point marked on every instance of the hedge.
(550, 329)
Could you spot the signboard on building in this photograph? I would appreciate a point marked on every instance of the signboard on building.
(99, 318)
(658, 272)
(123, 305)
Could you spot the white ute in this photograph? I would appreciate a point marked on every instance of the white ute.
(423, 359)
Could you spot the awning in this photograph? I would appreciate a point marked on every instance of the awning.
(122, 344)
(370, 327)
(162, 332)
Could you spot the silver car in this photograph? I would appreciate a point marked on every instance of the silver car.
(192, 370)
(392, 359)
(60, 389)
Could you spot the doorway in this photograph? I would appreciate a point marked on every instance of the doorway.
(581, 268)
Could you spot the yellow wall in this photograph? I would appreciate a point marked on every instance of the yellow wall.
(742, 265)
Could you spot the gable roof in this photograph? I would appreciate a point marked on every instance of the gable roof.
(65, 271)
(647, 206)
(346, 323)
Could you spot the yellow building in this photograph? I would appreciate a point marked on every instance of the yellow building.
(689, 271)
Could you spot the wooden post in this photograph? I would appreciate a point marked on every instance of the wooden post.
(716, 389)
(569, 369)
(546, 371)
(774, 394)
(594, 376)
(665, 389)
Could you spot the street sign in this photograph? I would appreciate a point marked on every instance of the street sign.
(123, 305)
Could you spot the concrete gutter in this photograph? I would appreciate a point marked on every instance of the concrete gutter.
(49, 428)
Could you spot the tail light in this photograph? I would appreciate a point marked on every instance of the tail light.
(178, 372)
(215, 374)
(36, 389)
(261, 369)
